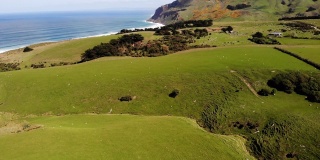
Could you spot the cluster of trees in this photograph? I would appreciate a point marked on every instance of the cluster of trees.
(238, 6)
(187, 32)
(299, 18)
(173, 28)
(299, 25)
(316, 65)
(5, 67)
(188, 24)
(259, 38)
(132, 45)
(123, 31)
(123, 46)
(298, 82)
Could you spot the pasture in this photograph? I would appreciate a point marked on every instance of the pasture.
(309, 52)
(120, 137)
(96, 86)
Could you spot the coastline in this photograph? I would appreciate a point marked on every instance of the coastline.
(38, 44)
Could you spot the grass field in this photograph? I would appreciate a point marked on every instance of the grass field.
(120, 137)
(290, 41)
(309, 52)
(96, 86)
(203, 77)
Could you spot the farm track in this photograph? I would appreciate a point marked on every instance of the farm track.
(246, 82)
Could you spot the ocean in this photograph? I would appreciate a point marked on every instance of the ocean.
(20, 30)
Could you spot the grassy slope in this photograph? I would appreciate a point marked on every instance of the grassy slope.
(65, 51)
(96, 86)
(203, 76)
(120, 137)
(260, 10)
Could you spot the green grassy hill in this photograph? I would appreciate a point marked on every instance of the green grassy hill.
(120, 137)
(203, 76)
(64, 51)
(218, 10)
(96, 86)
(217, 89)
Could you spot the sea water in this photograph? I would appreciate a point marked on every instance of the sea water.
(20, 30)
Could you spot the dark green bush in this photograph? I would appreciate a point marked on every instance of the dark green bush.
(27, 49)
(259, 38)
(126, 98)
(174, 93)
(298, 82)
(264, 92)
(258, 35)
(228, 29)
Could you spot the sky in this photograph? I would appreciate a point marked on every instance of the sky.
(22, 6)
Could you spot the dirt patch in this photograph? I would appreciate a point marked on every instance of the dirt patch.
(13, 127)
(10, 123)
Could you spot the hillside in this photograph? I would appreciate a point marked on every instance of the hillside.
(120, 137)
(78, 107)
(230, 10)
(205, 80)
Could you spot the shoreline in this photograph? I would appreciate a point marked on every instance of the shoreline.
(38, 44)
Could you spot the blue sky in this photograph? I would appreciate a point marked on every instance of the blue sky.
(15, 6)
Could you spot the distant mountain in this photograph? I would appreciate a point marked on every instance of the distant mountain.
(231, 10)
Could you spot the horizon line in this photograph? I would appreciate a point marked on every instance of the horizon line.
(78, 11)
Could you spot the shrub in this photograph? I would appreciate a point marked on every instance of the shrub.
(174, 93)
(257, 35)
(228, 29)
(35, 66)
(126, 98)
(27, 49)
(311, 9)
(264, 92)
